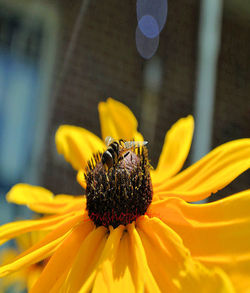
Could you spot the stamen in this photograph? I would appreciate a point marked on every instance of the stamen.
(122, 193)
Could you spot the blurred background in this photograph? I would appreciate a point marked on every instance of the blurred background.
(59, 59)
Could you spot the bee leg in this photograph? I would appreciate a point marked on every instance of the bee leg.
(119, 159)
(122, 142)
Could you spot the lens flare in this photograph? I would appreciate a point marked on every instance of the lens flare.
(157, 9)
(146, 46)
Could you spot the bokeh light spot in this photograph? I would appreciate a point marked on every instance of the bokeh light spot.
(146, 46)
(149, 26)
(156, 8)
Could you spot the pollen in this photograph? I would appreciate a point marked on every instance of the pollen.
(120, 195)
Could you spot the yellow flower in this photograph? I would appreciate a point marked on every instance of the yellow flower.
(175, 247)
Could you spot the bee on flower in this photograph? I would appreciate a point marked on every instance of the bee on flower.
(118, 150)
(167, 244)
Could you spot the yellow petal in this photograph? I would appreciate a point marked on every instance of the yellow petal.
(24, 194)
(104, 279)
(60, 204)
(32, 275)
(31, 258)
(62, 259)
(77, 145)
(118, 121)
(43, 248)
(81, 179)
(15, 229)
(116, 270)
(26, 240)
(210, 174)
(172, 265)
(57, 287)
(143, 275)
(85, 262)
(43, 201)
(215, 233)
(7, 254)
(15, 281)
(175, 149)
(123, 269)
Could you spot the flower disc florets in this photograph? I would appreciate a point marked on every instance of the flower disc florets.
(121, 194)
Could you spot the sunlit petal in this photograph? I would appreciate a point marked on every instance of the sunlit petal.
(84, 265)
(31, 258)
(123, 268)
(44, 247)
(14, 229)
(77, 145)
(104, 279)
(211, 173)
(175, 149)
(215, 233)
(144, 276)
(62, 259)
(118, 121)
(43, 201)
(172, 265)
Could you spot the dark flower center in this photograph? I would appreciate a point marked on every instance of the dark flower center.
(121, 194)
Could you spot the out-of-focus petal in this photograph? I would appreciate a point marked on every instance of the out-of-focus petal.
(83, 269)
(16, 280)
(26, 240)
(171, 264)
(61, 204)
(43, 248)
(215, 233)
(43, 201)
(118, 121)
(210, 174)
(14, 229)
(31, 258)
(24, 194)
(175, 149)
(77, 145)
(62, 259)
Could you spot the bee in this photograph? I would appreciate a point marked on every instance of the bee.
(117, 149)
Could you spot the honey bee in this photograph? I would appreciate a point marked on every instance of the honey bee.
(117, 149)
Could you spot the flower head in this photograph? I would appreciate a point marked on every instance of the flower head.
(168, 244)
(125, 189)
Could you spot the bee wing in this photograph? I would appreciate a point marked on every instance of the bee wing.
(136, 144)
(108, 140)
